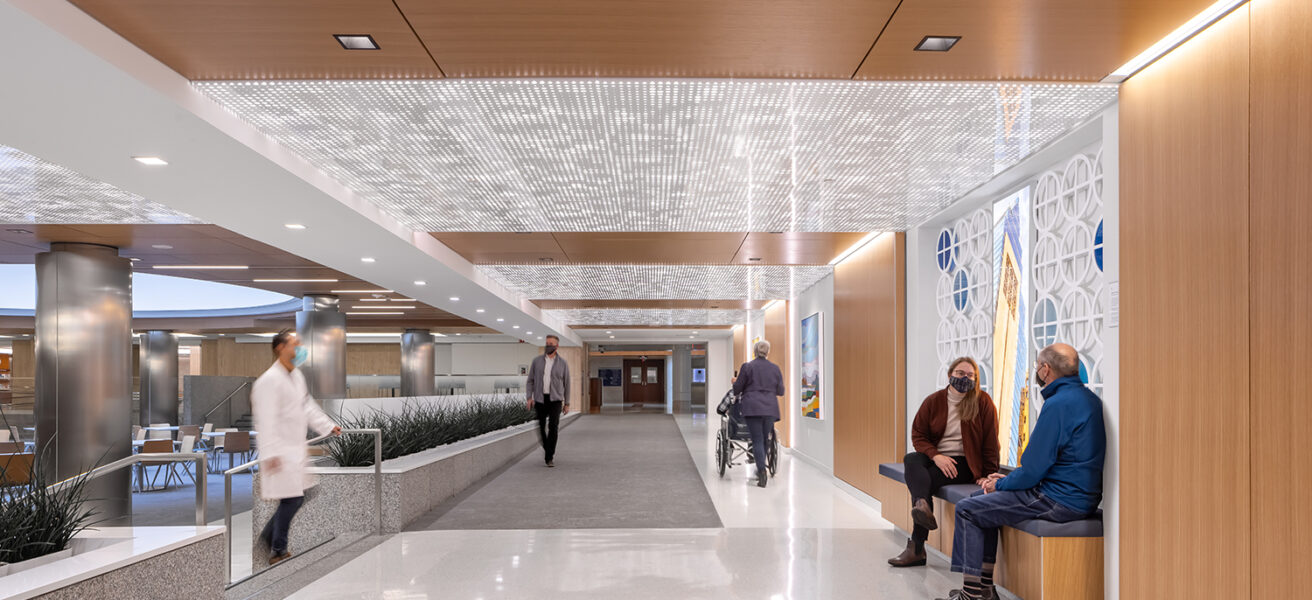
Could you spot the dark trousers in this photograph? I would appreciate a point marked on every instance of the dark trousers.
(975, 540)
(924, 478)
(760, 428)
(548, 422)
(275, 532)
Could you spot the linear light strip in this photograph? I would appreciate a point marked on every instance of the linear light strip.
(375, 313)
(1173, 40)
(202, 267)
(869, 237)
(294, 280)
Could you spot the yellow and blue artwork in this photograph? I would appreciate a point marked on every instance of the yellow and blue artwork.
(812, 367)
(1010, 344)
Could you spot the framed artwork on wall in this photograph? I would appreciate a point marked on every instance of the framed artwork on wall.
(610, 377)
(812, 366)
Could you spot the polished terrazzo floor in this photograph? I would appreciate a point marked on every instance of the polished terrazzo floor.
(801, 538)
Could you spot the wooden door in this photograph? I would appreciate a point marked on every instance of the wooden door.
(594, 395)
(644, 382)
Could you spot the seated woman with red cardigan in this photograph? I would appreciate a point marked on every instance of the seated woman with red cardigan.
(955, 434)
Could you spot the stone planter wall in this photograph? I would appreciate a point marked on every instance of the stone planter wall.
(412, 486)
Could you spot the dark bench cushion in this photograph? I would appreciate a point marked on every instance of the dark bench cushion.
(1091, 527)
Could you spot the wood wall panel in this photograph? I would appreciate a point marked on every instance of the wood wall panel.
(1185, 321)
(373, 359)
(869, 410)
(776, 332)
(1280, 297)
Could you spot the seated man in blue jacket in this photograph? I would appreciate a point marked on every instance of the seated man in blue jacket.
(1060, 477)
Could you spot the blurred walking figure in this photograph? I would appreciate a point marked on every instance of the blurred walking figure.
(284, 410)
(760, 384)
(548, 395)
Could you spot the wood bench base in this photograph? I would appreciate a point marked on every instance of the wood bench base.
(1031, 567)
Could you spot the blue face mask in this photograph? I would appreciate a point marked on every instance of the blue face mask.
(302, 355)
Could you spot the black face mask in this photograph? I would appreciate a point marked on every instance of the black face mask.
(551, 349)
(961, 384)
(1039, 380)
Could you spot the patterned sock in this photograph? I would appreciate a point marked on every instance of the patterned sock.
(986, 579)
(972, 588)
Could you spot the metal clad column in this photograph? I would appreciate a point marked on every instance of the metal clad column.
(322, 329)
(159, 378)
(84, 368)
(417, 368)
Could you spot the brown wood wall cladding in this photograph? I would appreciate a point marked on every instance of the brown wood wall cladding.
(739, 347)
(1280, 297)
(1072, 40)
(1185, 283)
(870, 365)
(776, 332)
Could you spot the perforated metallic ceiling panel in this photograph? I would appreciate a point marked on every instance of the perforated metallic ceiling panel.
(653, 317)
(660, 155)
(38, 192)
(659, 282)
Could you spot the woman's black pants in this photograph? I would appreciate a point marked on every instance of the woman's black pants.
(924, 478)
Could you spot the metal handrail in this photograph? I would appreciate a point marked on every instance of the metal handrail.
(199, 458)
(378, 485)
(225, 400)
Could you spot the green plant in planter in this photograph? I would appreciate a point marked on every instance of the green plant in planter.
(418, 427)
(39, 521)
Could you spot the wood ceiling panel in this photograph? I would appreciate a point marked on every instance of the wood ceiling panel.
(494, 248)
(654, 304)
(268, 39)
(1072, 40)
(648, 38)
(648, 247)
(794, 248)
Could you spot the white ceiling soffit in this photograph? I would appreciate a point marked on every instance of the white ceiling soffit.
(660, 155)
(35, 191)
(85, 98)
(656, 282)
(654, 316)
(600, 337)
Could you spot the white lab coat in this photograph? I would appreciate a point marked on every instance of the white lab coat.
(283, 411)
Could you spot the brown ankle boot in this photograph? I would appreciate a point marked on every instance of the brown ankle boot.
(923, 514)
(909, 557)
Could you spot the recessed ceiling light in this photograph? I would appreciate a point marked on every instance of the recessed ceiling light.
(457, 334)
(937, 43)
(421, 282)
(607, 332)
(404, 300)
(480, 310)
(367, 260)
(528, 333)
(382, 307)
(356, 41)
(161, 246)
(612, 337)
(202, 267)
(514, 326)
(362, 291)
(499, 319)
(454, 298)
(294, 280)
(694, 333)
(153, 161)
(373, 299)
(691, 337)
(376, 313)
(754, 258)
(296, 226)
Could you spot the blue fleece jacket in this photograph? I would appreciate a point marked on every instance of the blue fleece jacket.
(1065, 453)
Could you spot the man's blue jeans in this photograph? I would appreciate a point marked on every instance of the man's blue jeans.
(975, 540)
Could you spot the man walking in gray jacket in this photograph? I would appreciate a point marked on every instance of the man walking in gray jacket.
(548, 394)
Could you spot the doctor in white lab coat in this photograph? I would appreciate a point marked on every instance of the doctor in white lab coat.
(284, 410)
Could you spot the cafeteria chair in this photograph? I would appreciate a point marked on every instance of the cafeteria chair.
(155, 447)
(163, 434)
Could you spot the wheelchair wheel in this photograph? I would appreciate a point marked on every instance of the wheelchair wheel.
(721, 453)
(772, 453)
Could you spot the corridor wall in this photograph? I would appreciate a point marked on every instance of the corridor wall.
(813, 439)
(1216, 147)
(777, 333)
(870, 364)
